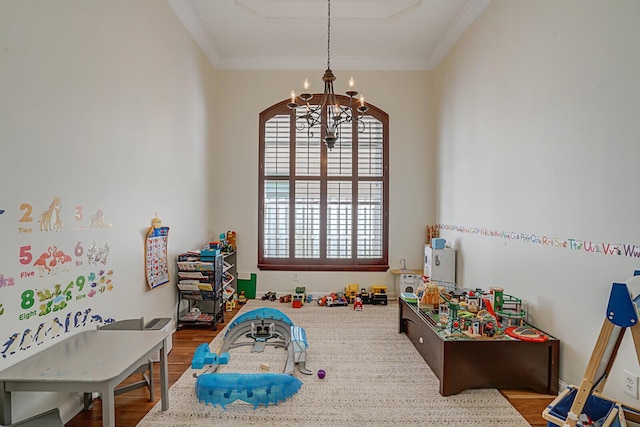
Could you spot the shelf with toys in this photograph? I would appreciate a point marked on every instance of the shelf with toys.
(199, 289)
(479, 347)
(227, 245)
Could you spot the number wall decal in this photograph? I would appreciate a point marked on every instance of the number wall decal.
(40, 289)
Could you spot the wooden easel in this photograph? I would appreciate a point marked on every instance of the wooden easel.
(622, 314)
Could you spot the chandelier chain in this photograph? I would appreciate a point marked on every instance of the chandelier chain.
(328, 34)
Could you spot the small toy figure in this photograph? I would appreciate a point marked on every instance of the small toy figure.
(322, 373)
(357, 304)
(242, 298)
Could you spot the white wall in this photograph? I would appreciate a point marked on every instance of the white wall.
(242, 95)
(106, 105)
(538, 134)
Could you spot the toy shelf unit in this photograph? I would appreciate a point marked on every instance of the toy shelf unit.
(461, 362)
(229, 275)
(200, 299)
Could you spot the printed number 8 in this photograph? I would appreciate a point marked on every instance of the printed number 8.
(27, 299)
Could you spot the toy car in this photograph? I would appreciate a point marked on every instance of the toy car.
(336, 299)
(269, 296)
(285, 298)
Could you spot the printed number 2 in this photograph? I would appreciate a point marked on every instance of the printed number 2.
(26, 217)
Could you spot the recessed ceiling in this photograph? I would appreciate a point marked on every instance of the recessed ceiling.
(292, 34)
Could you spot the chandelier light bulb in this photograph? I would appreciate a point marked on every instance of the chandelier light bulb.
(293, 96)
(351, 82)
(306, 84)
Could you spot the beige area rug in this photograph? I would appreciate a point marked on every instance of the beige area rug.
(375, 377)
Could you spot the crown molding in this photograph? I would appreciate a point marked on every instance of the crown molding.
(193, 24)
(300, 9)
(466, 16)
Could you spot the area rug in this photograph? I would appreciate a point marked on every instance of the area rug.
(374, 377)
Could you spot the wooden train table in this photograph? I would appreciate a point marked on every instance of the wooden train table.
(462, 362)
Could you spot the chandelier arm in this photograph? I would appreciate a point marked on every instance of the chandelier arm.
(310, 118)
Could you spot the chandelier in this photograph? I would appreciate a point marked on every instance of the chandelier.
(329, 114)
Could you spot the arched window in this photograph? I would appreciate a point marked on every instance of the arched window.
(322, 209)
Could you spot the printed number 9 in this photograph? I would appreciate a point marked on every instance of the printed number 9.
(80, 283)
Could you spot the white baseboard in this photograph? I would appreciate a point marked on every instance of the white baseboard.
(562, 385)
(72, 407)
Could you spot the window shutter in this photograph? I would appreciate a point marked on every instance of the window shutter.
(323, 209)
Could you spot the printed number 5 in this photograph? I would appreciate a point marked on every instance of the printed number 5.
(25, 255)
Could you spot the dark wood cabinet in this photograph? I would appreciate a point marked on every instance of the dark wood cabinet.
(461, 364)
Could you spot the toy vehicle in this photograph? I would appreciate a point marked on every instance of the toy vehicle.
(379, 294)
(285, 298)
(269, 296)
(242, 298)
(357, 304)
(336, 299)
(365, 296)
(298, 297)
(351, 292)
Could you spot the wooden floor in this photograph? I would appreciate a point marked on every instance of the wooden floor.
(132, 407)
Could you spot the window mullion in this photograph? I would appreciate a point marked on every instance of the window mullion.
(323, 194)
(292, 187)
(354, 188)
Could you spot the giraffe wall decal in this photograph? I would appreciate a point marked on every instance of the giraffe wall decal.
(45, 218)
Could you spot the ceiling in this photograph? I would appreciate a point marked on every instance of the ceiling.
(292, 34)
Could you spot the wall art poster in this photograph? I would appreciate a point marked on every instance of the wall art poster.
(156, 262)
